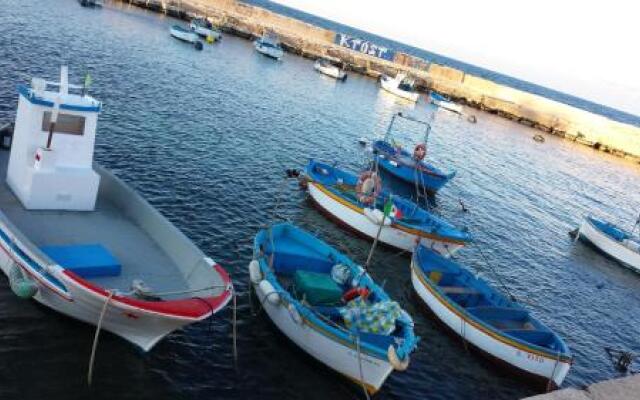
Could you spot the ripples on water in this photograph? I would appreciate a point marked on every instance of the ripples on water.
(206, 136)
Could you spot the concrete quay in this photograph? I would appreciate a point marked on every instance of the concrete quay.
(627, 388)
(310, 41)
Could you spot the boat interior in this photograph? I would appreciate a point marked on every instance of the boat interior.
(483, 303)
(403, 157)
(123, 240)
(319, 278)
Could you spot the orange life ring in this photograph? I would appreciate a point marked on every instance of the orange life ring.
(367, 196)
(355, 292)
(420, 152)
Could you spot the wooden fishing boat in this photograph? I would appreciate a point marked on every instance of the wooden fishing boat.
(621, 245)
(204, 28)
(336, 192)
(314, 294)
(325, 67)
(269, 45)
(410, 168)
(185, 35)
(401, 86)
(445, 103)
(499, 327)
(80, 241)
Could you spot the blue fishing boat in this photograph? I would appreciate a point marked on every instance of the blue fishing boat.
(329, 306)
(496, 325)
(410, 168)
(342, 196)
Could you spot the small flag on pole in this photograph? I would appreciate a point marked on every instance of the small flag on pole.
(388, 206)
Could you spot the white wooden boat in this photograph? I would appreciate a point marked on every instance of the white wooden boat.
(500, 328)
(204, 28)
(327, 68)
(617, 243)
(335, 192)
(445, 103)
(307, 289)
(185, 35)
(80, 241)
(401, 86)
(269, 45)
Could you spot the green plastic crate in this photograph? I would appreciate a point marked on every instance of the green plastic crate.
(317, 289)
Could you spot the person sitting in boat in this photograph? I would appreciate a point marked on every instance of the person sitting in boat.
(368, 187)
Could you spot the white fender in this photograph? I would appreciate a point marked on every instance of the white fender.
(395, 362)
(376, 216)
(295, 315)
(255, 274)
(269, 292)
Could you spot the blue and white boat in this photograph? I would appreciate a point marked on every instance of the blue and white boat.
(622, 245)
(410, 168)
(445, 103)
(269, 45)
(500, 328)
(204, 28)
(314, 295)
(339, 194)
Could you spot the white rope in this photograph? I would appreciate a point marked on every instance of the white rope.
(553, 372)
(364, 387)
(96, 336)
(235, 330)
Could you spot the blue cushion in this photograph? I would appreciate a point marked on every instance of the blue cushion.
(86, 260)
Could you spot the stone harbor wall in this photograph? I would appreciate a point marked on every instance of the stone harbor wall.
(616, 389)
(367, 58)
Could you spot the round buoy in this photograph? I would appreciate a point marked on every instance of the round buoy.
(538, 138)
(269, 292)
(472, 119)
(210, 39)
(255, 274)
(394, 360)
(198, 45)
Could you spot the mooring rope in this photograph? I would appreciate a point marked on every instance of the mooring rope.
(96, 337)
(364, 386)
(497, 276)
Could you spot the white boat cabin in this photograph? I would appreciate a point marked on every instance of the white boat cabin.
(51, 161)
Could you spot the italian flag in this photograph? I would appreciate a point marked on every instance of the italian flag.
(390, 209)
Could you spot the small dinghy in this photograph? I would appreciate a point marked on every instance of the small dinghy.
(445, 103)
(329, 306)
(90, 3)
(326, 67)
(340, 195)
(483, 317)
(82, 242)
(186, 35)
(408, 167)
(269, 45)
(204, 28)
(401, 86)
(621, 245)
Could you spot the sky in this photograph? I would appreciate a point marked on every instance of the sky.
(589, 49)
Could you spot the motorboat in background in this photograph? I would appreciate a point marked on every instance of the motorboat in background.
(326, 67)
(204, 28)
(80, 241)
(401, 86)
(269, 45)
(186, 35)
(445, 103)
(621, 245)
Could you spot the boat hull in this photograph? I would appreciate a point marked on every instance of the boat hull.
(331, 71)
(609, 246)
(526, 361)
(185, 36)
(447, 105)
(269, 51)
(326, 349)
(205, 32)
(392, 235)
(390, 85)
